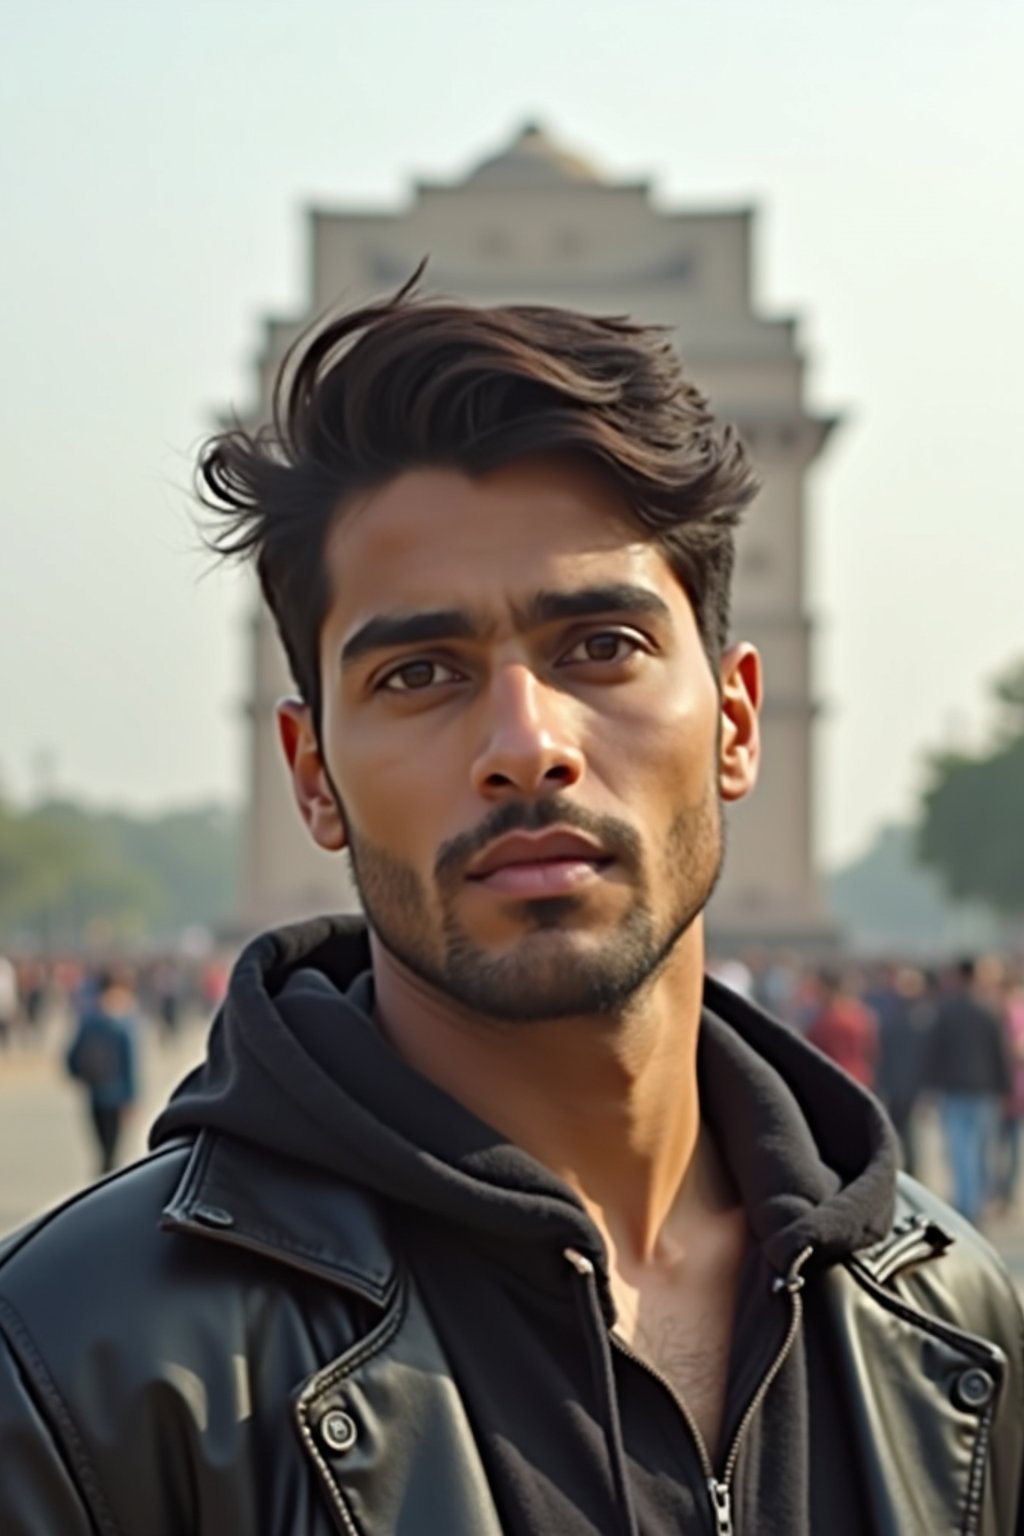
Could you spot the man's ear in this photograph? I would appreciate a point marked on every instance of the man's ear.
(740, 744)
(310, 784)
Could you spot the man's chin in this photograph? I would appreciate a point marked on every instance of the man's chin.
(537, 928)
(550, 972)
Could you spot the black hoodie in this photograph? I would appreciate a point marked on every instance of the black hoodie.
(577, 1437)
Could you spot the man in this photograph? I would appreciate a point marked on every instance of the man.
(490, 1216)
(845, 1030)
(971, 1069)
(1006, 1178)
(102, 1058)
(898, 998)
(9, 1000)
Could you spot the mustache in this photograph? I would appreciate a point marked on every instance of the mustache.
(616, 838)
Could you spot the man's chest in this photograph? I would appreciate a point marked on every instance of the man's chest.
(680, 1324)
(686, 1339)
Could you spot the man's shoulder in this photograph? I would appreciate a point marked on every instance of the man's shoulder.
(82, 1237)
(198, 1219)
(163, 1275)
(968, 1284)
(87, 1286)
(135, 1316)
(964, 1009)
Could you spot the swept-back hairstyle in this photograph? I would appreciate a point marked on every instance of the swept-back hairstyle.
(413, 382)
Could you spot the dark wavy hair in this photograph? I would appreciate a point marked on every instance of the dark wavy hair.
(414, 382)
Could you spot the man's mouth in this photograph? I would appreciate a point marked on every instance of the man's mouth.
(555, 862)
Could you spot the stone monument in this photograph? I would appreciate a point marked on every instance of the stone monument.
(536, 223)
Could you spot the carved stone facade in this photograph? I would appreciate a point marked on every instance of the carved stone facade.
(537, 224)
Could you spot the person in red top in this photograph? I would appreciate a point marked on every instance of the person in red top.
(845, 1030)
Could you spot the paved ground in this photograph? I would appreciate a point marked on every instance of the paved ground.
(45, 1152)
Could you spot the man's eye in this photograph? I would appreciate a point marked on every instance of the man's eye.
(608, 645)
(414, 676)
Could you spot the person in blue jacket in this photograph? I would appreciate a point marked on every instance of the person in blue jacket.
(102, 1057)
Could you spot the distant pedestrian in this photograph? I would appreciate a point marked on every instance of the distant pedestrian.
(969, 1066)
(169, 990)
(8, 1000)
(778, 988)
(32, 984)
(845, 1030)
(1011, 1125)
(898, 999)
(102, 1058)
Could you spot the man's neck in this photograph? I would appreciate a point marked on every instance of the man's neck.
(609, 1105)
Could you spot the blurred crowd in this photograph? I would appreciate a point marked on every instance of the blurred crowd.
(93, 1013)
(38, 992)
(949, 1039)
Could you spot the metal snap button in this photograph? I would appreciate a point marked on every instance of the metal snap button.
(973, 1389)
(213, 1216)
(338, 1430)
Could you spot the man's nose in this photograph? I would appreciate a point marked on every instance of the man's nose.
(528, 744)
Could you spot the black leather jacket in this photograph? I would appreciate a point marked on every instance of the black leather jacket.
(218, 1342)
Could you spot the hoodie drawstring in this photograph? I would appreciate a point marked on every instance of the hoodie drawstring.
(603, 1367)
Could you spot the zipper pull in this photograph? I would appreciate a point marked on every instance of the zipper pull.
(721, 1505)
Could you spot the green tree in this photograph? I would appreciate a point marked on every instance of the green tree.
(194, 854)
(66, 870)
(58, 875)
(971, 829)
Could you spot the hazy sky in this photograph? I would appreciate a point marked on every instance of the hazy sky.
(155, 162)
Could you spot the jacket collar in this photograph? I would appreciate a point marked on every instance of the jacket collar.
(234, 1192)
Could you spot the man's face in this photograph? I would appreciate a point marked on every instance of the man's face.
(525, 748)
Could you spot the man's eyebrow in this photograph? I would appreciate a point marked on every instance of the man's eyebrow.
(387, 630)
(591, 602)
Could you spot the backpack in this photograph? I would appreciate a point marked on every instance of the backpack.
(95, 1059)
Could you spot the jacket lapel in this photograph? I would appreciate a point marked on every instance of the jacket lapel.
(383, 1424)
(389, 1436)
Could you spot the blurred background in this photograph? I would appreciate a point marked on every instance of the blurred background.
(822, 201)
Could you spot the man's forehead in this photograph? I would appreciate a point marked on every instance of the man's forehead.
(438, 539)
(560, 498)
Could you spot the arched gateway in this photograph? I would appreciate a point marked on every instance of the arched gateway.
(536, 223)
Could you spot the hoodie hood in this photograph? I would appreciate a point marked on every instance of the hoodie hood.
(296, 1065)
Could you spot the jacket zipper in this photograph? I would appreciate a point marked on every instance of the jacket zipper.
(720, 1488)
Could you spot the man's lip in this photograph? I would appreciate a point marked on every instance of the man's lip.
(535, 848)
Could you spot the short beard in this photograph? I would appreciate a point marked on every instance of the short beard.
(543, 980)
